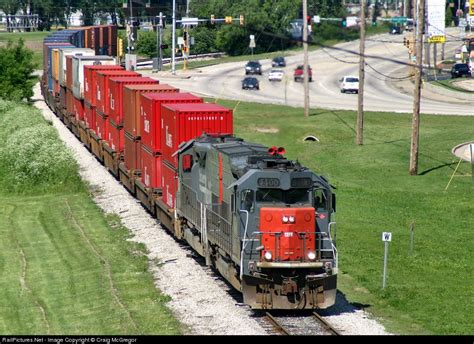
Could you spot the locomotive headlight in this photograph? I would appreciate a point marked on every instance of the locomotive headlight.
(285, 219)
(268, 255)
(291, 219)
(311, 255)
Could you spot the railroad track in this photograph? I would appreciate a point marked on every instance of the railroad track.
(308, 324)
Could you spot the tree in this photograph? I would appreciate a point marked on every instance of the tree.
(16, 68)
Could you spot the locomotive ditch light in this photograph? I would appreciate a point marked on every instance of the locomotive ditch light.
(311, 255)
(268, 256)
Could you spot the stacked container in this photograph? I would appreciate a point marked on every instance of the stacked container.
(90, 72)
(180, 123)
(116, 138)
(154, 174)
(102, 96)
(78, 63)
(131, 120)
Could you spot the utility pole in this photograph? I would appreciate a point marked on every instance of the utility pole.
(305, 60)
(415, 135)
(360, 100)
(173, 39)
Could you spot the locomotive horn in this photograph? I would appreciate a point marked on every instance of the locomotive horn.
(272, 150)
(281, 150)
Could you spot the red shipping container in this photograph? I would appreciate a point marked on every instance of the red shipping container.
(150, 168)
(101, 125)
(116, 136)
(90, 82)
(78, 108)
(132, 152)
(183, 122)
(89, 116)
(69, 102)
(150, 115)
(169, 183)
(69, 72)
(102, 93)
(116, 94)
(132, 103)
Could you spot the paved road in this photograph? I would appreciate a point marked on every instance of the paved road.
(382, 93)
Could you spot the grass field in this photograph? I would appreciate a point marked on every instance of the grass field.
(429, 291)
(65, 267)
(33, 41)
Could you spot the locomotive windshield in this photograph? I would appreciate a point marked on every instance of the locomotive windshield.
(291, 196)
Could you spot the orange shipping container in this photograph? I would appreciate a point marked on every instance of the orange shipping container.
(132, 103)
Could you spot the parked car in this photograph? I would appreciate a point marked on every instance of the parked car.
(299, 76)
(250, 83)
(349, 83)
(460, 69)
(278, 61)
(276, 75)
(253, 67)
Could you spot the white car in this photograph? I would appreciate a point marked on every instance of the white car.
(349, 83)
(276, 75)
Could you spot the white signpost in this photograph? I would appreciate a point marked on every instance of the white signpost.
(252, 43)
(386, 238)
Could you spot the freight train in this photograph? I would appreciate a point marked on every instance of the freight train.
(263, 221)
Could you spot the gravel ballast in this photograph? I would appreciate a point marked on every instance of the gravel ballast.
(198, 298)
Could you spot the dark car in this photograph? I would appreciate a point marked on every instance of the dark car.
(396, 30)
(250, 83)
(299, 75)
(253, 67)
(278, 61)
(460, 69)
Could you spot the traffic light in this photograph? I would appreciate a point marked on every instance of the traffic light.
(405, 41)
(241, 20)
(213, 19)
(228, 19)
(120, 47)
(308, 20)
(344, 23)
(185, 36)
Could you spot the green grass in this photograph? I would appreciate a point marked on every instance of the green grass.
(430, 291)
(33, 41)
(450, 85)
(65, 267)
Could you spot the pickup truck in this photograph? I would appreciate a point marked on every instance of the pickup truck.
(299, 76)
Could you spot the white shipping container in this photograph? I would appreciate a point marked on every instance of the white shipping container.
(70, 51)
(78, 63)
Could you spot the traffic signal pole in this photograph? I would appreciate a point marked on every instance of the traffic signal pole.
(173, 40)
(305, 59)
(360, 102)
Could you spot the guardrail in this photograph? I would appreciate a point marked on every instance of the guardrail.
(149, 62)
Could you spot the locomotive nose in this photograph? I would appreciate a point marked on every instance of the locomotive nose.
(288, 234)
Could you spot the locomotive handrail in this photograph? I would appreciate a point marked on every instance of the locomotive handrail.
(245, 242)
(333, 244)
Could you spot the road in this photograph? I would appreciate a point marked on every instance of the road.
(384, 90)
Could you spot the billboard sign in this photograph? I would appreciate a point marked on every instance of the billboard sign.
(435, 20)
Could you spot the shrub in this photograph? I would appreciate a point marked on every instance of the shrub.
(16, 68)
(32, 158)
